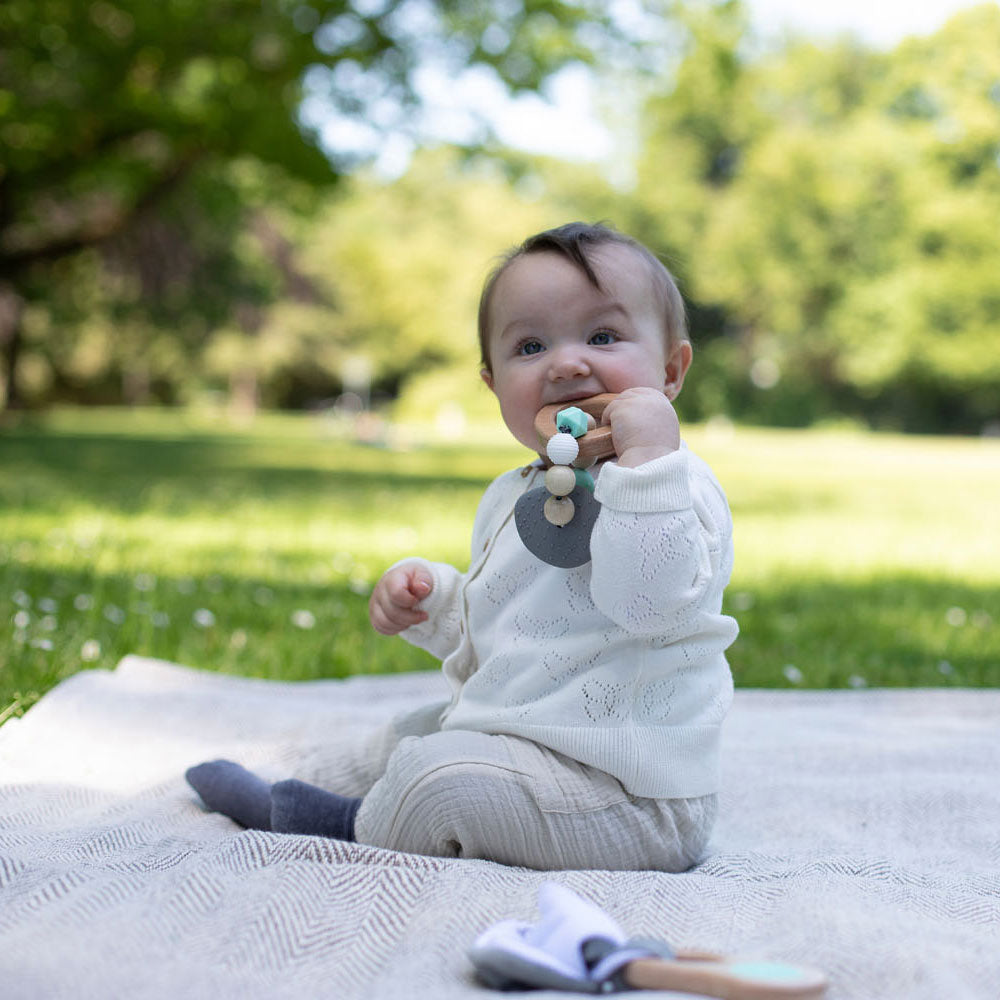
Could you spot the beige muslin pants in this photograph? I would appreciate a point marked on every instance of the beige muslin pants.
(456, 793)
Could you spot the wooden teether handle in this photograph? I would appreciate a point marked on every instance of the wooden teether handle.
(594, 444)
(713, 976)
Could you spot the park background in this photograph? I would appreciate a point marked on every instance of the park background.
(241, 245)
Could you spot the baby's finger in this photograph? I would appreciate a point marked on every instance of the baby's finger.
(395, 620)
(381, 605)
(609, 411)
(398, 590)
(421, 583)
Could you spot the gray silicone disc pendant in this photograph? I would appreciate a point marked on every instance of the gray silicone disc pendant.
(564, 547)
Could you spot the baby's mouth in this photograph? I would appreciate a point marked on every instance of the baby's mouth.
(574, 397)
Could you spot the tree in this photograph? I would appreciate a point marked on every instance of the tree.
(920, 338)
(405, 261)
(109, 107)
(848, 249)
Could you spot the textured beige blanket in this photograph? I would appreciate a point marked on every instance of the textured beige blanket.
(860, 832)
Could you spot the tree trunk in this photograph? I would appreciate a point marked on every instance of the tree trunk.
(244, 396)
(135, 384)
(11, 341)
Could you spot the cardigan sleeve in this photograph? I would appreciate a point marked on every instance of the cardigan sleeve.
(662, 547)
(441, 633)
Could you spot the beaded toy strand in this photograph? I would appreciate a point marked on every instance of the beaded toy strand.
(555, 521)
(566, 471)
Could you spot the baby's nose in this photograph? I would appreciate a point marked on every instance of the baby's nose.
(569, 361)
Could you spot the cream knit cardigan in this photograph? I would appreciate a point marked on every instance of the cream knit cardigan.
(618, 663)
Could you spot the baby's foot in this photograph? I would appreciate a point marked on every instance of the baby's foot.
(232, 790)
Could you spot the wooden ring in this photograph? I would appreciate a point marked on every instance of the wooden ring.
(595, 444)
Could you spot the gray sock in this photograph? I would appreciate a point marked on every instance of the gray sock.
(300, 808)
(232, 790)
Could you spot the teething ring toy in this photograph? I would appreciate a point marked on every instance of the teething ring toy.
(555, 521)
(595, 444)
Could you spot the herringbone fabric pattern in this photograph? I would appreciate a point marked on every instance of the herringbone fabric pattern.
(859, 831)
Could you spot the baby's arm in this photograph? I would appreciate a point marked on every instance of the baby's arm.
(662, 545)
(644, 426)
(393, 604)
(419, 600)
(422, 600)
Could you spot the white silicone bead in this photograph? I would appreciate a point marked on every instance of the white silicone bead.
(562, 449)
(560, 480)
(559, 510)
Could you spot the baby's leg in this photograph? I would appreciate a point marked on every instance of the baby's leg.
(286, 807)
(506, 799)
(295, 806)
(300, 808)
(351, 764)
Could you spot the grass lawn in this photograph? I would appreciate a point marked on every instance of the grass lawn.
(861, 560)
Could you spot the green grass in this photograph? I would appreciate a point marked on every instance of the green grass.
(861, 559)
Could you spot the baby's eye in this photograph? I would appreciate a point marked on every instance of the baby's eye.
(529, 347)
(602, 337)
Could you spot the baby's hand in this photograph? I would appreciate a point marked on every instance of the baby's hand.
(393, 604)
(644, 426)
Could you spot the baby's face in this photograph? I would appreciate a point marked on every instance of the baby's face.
(555, 338)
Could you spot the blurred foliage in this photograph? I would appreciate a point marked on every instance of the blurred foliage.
(165, 230)
(389, 253)
(127, 126)
(839, 206)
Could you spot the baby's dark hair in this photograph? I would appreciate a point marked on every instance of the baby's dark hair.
(577, 241)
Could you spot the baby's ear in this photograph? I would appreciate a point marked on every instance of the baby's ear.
(677, 365)
(487, 376)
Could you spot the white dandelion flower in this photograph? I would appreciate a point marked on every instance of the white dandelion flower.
(303, 619)
(204, 618)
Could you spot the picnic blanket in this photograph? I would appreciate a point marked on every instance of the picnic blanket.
(859, 832)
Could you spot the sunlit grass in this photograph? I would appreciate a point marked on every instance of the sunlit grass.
(862, 560)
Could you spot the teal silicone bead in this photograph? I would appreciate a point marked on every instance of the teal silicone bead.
(584, 479)
(572, 420)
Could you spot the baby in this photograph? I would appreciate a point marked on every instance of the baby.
(583, 727)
